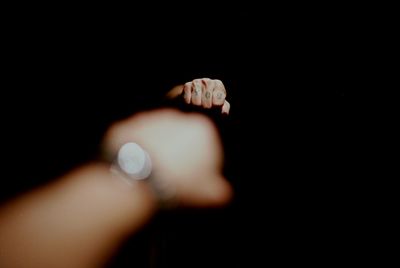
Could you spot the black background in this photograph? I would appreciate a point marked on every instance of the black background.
(289, 141)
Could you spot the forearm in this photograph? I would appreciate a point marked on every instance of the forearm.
(79, 220)
(75, 222)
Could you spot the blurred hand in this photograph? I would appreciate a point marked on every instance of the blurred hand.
(185, 150)
(80, 219)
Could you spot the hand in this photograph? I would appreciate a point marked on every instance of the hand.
(203, 92)
(185, 150)
(80, 219)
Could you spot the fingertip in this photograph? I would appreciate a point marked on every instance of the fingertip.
(207, 104)
(223, 193)
(226, 108)
(196, 102)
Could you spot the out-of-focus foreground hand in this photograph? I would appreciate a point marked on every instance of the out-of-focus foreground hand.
(185, 150)
(80, 219)
(203, 92)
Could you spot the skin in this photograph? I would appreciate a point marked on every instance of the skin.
(204, 92)
(81, 218)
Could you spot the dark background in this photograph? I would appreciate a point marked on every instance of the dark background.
(289, 141)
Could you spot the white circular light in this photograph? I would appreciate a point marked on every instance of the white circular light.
(134, 161)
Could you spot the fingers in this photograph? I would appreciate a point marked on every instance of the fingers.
(207, 97)
(219, 93)
(207, 93)
(226, 108)
(197, 89)
(187, 92)
(213, 192)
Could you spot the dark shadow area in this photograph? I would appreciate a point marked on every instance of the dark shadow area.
(288, 140)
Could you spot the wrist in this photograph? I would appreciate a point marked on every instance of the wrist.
(127, 206)
(133, 165)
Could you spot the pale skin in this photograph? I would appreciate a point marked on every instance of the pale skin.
(204, 92)
(80, 219)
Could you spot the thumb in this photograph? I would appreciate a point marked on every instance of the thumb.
(213, 192)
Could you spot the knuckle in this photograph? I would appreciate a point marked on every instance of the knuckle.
(207, 104)
(206, 80)
(218, 82)
(196, 81)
